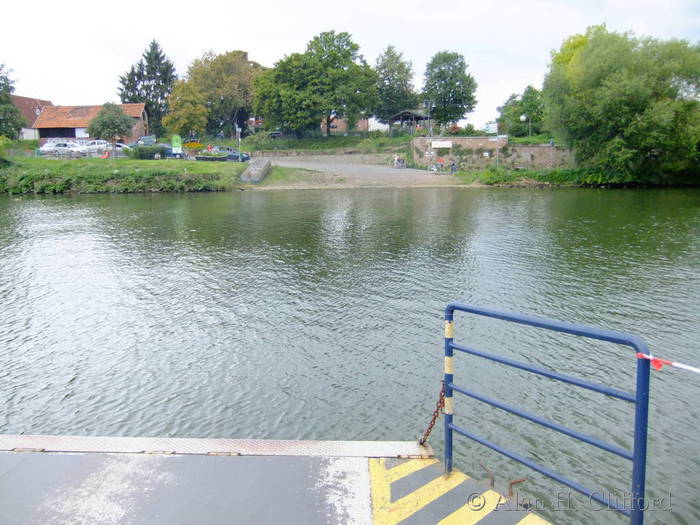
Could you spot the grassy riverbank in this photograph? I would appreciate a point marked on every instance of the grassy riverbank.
(503, 177)
(28, 175)
(571, 177)
(45, 176)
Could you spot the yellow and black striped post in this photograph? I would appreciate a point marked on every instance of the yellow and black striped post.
(449, 400)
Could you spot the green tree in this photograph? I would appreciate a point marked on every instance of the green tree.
(529, 103)
(395, 84)
(628, 106)
(329, 80)
(226, 81)
(285, 97)
(151, 81)
(188, 109)
(11, 120)
(111, 123)
(347, 85)
(449, 87)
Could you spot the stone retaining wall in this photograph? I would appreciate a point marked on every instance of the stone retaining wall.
(480, 153)
(354, 158)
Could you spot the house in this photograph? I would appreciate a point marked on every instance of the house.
(71, 122)
(30, 108)
(339, 126)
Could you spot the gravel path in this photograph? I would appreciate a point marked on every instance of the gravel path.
(363, 175)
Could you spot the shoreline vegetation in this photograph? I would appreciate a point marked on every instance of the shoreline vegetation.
(46, 176)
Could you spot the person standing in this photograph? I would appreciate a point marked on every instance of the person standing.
(453, 167)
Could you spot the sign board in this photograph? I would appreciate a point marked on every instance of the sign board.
(176, 142)
(441, 144)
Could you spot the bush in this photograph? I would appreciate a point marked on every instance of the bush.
(146, 152)
(377, 134)
(259, 141)
(4, 141)
(470, 131)
(542, 138)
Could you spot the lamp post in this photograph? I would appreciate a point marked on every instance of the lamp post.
(429, 105)
(523, 118)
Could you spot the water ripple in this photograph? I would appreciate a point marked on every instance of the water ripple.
(317, 315)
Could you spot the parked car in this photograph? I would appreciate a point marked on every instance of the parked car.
(47, 149)
(231, 154)
(148, 140)
(168, 152)
(68, 149)
(97, 146)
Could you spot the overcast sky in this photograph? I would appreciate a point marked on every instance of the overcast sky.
(73, 53)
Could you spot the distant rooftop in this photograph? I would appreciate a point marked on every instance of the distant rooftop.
(79, 116)
(29, 107)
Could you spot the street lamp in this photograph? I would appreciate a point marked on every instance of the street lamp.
(429, 105)
(523, 118)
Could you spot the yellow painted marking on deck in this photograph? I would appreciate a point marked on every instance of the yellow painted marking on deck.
(449, 365)
(479, 507)
(380, 488)
(416, 500)
(449, 329)
(449, 405)
(408, 467)
(533, 519)
(387, 512)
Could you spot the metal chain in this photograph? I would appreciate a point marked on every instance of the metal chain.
(436, 413)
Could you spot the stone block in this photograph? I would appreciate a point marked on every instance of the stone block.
(256, 171)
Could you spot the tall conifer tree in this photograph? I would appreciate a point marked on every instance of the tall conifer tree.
(151, 81)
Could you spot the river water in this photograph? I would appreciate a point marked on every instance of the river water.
(318, 315)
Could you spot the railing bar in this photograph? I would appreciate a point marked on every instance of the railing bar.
(543, 470)
(550, 424)
(596, 387)
(551, 324)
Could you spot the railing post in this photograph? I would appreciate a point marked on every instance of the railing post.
(449, 400)
(641, 419)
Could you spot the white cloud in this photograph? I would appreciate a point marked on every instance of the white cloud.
(75, 55)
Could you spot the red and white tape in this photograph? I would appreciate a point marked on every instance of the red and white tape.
(658, 363)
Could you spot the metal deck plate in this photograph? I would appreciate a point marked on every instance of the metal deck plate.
(155, 489)
(242, 447)
(99, 481)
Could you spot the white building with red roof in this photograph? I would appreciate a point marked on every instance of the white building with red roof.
(30, 108)
(71, 122)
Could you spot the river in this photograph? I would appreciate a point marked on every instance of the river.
(317, 314)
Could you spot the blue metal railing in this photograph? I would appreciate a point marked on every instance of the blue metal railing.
(640, 399)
